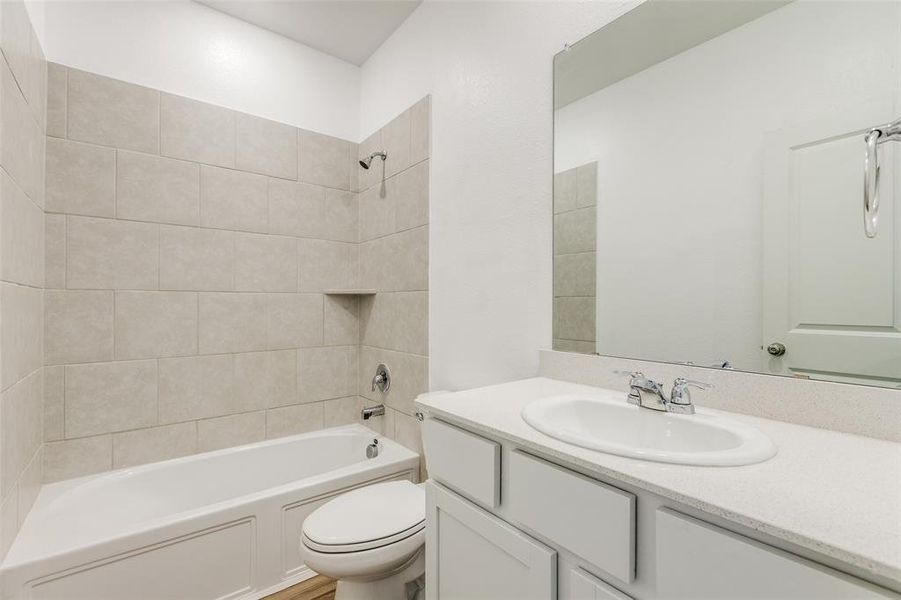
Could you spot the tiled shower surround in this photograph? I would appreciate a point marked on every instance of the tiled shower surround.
(189, 251)
(23, 76)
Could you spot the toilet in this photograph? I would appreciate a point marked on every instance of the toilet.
(371, 540)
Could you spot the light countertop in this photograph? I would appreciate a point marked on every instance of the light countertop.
(833, 493)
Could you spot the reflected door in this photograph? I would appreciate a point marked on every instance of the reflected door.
(832, 296)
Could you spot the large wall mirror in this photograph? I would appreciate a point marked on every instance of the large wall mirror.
(727, 182)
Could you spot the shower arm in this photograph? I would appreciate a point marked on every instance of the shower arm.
(890, 132)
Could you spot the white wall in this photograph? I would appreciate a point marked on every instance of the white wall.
(189, 49)
(680, 149)
(488, 66)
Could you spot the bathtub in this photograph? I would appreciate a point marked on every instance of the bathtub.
(222, 525)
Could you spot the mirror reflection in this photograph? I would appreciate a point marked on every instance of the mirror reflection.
(725, 187)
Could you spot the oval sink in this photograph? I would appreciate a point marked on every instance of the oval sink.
(616, 427)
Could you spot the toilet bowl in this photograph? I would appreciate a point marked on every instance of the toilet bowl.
(371, 540)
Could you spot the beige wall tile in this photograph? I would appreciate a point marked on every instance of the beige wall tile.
(396, 321)
(9, 521)
(265, 263)
(409, 377)
(196, 387)
(54, 403)
(375, 174)
(232, 430)
(575, 346)
(56, 100)
(155, 444)
(162, 190)
(420, 125)
(78, 326)
(412, 197)
(291, 420)
(196, 131)
(575, 231)
(327, 265)
(325, 373)
(575, 274)
(30, 483)
(21, 236)
(109, 254)
(81, 178)
(398, 262)
(232, 322)
(106, 397)
(566, 191)
(587, 184)
(233, 200)
(75, 458)
(22, 151)
(155, 324)
(266, 379)
(343, 411)
(196, 259)
(378, 206)
(339, 216)
(106, 111)
(295, 208)
(21, 332)
(342, 320)
(295, 320)
(325, 160)
(266, 147)
(23, 54)
(574, 319)
(21, 428)
(407, 432)
(396, 140)
(54, 251)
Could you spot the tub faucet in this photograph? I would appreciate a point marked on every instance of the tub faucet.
(372, 411)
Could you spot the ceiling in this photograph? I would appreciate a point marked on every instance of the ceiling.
(348, 29)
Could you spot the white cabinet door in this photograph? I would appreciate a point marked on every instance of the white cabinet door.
(471, 554)
(698, 561)
(832, 296)
(584, 586)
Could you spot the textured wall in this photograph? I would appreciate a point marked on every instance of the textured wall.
(23, 73)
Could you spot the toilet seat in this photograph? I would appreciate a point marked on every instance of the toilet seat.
(367, 518)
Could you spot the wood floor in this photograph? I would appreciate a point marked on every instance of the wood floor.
(317, 588)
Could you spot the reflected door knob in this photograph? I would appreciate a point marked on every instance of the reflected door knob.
(776, 349)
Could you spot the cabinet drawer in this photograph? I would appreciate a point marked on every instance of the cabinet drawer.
(585, 586)
(592, 519)
(697, 560)
(463, 461)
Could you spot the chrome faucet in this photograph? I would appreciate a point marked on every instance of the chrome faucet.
(372, 411)
(647, 393)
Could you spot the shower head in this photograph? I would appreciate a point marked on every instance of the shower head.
(367, 162)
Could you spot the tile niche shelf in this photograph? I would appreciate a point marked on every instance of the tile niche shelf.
(350, 292)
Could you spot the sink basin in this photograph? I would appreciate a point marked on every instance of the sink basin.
(616, 427)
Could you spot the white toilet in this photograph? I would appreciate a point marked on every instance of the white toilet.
(371, 540)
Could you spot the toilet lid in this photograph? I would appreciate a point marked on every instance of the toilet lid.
(381, 512)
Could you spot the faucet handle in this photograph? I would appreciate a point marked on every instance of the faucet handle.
(636, 379)
(681, 395)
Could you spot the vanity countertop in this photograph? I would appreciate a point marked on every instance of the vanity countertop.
(833, 493)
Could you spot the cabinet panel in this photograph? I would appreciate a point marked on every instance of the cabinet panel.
(472, 555)
(697, 560)
(592, 519)
(584, 586)
(463, 461)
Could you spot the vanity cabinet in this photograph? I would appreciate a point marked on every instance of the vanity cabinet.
(505, 524)
(474, 555)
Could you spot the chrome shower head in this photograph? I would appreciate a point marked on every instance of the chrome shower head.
(367, 162)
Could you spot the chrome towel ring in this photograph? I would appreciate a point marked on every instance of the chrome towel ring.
(874, 137)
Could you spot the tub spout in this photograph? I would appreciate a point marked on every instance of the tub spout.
(372, 411)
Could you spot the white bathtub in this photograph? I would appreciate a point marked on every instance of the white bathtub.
(224, 524)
